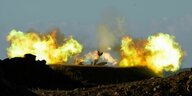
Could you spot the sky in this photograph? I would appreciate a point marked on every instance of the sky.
(81, 18)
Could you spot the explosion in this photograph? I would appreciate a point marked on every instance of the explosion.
(45, 47)
(159, 52)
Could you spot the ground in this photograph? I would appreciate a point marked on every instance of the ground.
(177, 85)
(28, 77)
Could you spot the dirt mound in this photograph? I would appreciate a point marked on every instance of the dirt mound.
(10, 89)
(30, 73)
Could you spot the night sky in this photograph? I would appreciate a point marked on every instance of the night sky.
(81, 18)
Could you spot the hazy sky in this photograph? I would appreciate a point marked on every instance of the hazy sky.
(81, 18)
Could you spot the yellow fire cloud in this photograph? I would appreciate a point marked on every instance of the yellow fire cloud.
(43, 46)
(159, 52)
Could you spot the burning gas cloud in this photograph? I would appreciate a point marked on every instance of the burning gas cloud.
(43, 46)
(158, 52)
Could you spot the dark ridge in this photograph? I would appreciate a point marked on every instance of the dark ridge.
(102, 75)
(30, 73)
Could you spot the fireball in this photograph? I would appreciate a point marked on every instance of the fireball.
(159, 52)
(165, 53)
(45, 47)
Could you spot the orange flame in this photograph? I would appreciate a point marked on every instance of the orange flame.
(159, 52)
(43, 46)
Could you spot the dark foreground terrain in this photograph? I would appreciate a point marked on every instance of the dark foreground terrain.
(28, 77)
(178, 85)
(103, 75)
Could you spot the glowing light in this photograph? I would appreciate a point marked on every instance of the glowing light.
(159, 52)
(43, 46)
